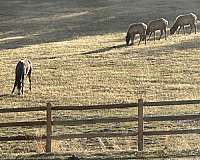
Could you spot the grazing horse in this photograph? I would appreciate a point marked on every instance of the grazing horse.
(183, 20)
(24, 67)
(158, 24)
(136, 28)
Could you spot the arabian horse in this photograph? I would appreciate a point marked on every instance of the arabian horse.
(24, 67)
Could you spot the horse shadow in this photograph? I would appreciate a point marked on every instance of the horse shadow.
(101, 50)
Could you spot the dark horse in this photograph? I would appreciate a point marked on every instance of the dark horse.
(24, 67)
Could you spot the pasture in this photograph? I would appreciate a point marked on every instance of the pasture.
(78, 59)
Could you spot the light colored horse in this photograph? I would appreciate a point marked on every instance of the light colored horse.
(183, 20)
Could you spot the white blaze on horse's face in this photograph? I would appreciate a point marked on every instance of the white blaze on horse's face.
(20, 87)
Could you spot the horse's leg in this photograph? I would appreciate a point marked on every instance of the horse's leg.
(195, 28)
(14, 86)
(191, 27)
(150, 35)
(140, 39)
(145, 39)
(29, 77)
(165, 30)
(161, 33)
(154, 35)
(179, 29)
(132, 39)
(22, 83)
(184, 29)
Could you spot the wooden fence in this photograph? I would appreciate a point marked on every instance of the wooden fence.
(140, 133)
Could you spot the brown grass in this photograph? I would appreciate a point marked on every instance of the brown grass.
(98, 70)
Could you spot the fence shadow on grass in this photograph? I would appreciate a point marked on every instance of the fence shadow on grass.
(116, 155)
(7, 95)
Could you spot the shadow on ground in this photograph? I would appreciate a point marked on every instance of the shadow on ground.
(126, 155)
(101, 50)
(179, 46)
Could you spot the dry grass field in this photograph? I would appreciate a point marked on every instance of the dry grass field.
(78, 59)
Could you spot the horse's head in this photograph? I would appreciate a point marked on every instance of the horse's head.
(19, 87)
(128, 37)
(148, 30)
(173, 29)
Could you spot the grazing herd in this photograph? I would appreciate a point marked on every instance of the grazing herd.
(24, 67)
(160, 24)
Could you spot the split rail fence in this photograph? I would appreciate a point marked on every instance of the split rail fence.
(140, 118)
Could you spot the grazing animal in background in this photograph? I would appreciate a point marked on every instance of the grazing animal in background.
(158, 24)
(24, 67)
(183, 20)
(136, 28)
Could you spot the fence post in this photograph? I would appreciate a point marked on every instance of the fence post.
(49, 128)
(140, 125)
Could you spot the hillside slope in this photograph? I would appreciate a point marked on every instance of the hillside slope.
(99, 70)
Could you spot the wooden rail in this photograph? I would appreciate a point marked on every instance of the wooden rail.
(22, 138)
(23, 124)
(140, 119)
(173, 103)
(108, 106)
(28, 109)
